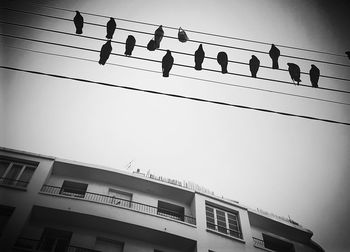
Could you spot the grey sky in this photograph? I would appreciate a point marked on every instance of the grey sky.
(285, 165)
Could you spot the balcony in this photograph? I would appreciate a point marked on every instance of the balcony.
(259, 243)
(273, 244)
(118, 202)
(30, 245)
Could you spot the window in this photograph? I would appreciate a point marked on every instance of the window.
(5, 214)
(16, 172)
(277, 245)
(170, 210)
(119, 198)
(74, 189)
(107, 245)
(54, 240)
(223, 221)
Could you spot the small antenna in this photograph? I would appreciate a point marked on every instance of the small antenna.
(129, 165)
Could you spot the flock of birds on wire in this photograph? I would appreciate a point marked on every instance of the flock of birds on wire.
(199, 55)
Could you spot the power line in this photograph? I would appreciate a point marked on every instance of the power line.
(193, 31)
(175, 64)
(174, 95)
(177, 52)
(195, 41)
(181, 76)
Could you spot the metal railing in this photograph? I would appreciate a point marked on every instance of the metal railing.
(24, 244)
(225, 230)
(118, 202)
(259, 243)
(13, 182)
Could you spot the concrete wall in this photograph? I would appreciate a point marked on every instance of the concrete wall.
(86, 238)
(22, 199)
(208, 239)
(119, 214)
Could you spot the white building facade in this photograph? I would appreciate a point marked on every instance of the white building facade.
(49, 204)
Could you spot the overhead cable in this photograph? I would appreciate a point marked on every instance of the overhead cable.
(192, 31)
(175, 64)
(181, 76)
(195, 41)
(141, 46)
(174, 95)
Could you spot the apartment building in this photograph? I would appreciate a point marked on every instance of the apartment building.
(50, 204)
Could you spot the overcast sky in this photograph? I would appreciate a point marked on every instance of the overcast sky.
(285, 165)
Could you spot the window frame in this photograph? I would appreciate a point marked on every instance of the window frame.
(16, 181)
(54, 238)
(5, 215)
(120, 200)
(170, 210)
(235, 233)
(119, 243)
(274, 243)
(73, 194)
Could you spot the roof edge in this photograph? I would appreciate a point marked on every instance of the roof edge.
(27, 153)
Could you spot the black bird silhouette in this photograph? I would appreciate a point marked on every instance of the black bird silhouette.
(199, 57)
(78, 22)
(294, 72)
(129, 45)
(151, 46)
(223, 61)
(314, 75)
(348, 53)
(167, 63)
(111, 26)
(274, 54)
(106, 50)
(158, 36)
(254, 64)
(182, 36)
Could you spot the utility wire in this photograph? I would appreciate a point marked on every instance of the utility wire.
(177, 52)
(195, 41)
(175, 64)
(193, 31)
(173, 95)
(178, 75)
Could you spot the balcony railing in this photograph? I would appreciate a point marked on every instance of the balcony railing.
(260, 244)
(225, 230)
(13, 182)
(118, 202)
(33, 245)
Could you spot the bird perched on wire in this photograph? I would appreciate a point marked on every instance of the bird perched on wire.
(111, 26)
(274, 54)
(151, 46)
(182, 36)
(78, 22)
(254, 64)
(129, 45)
(294, 72)
(223, 61)
(167, 63)
(106, 50)
(199, 57)
(158, 36)
(348, 53)
(314, 75)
